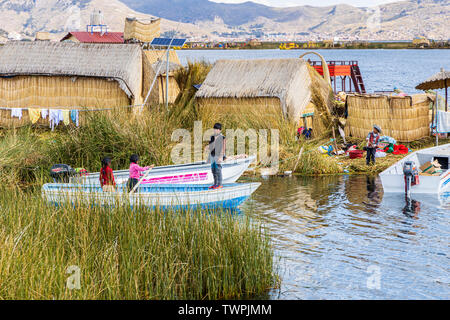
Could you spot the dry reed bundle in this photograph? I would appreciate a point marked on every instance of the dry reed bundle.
(154, 56)
(143, 31)
(403, 118)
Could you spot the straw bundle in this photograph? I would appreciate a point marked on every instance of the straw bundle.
(284, 85)
(403, 118)
(154, 58)
(141, 31)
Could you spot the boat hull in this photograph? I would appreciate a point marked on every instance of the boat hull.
(155, 196)
(195, 173)
(393, 179)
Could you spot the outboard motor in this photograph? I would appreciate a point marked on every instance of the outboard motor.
(61, 173)
(411, 176)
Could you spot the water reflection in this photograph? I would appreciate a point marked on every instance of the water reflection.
(329, 231)
(412, 208)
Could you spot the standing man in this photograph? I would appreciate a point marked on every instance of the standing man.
(372, 143)
(217, 147)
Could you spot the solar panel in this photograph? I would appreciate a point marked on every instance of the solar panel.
(165, 42)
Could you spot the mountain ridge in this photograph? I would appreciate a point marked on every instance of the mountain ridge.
(207, 20)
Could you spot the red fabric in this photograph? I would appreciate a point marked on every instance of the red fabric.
(400, 149)
(107, 177)
(354, 154)
(96, 37)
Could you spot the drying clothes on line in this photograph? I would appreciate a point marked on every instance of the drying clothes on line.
(34, 115)
(74, 115)
(44, 113)
(66, 117)
(443, 121)
(16, 113)
(55, 117)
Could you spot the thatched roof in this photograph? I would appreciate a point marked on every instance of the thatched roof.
(122, 63)
(440, 80)
(287, 79)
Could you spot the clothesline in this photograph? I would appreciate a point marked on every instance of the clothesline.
(80, 109)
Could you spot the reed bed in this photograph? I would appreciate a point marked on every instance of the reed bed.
(128, 254)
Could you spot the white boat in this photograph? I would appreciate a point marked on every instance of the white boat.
(162, 196)
(192, 173)
(394, 181)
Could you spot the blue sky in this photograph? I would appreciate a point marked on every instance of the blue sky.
(287, 3)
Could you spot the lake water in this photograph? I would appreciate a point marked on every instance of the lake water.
(340, 237)
(381, 69)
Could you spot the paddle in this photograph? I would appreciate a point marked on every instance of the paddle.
(142, 179)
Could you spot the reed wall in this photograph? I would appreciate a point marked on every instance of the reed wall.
(58, 93)
(404, 118)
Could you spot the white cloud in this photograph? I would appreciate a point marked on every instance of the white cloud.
(290, 3)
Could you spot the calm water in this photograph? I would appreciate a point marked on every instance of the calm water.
(381, 69)
(341, 238)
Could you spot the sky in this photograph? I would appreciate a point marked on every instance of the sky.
(289, 3)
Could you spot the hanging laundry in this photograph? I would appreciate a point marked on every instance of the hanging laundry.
(34, 115)
(66, 117)
(55, 117)
(443, 121)
(44, 113)
(16, 112)
(74, 115)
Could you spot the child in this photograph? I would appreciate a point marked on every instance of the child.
(372, 143)
(217, 146)
(107, 176)
(135, 171)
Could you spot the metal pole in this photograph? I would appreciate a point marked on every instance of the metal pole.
(436, 119)
(167, 79)
(446, 96)
(157, 75)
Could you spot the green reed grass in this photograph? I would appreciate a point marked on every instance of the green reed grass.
(129, 254)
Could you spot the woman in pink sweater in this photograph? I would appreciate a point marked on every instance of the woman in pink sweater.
(135, 171)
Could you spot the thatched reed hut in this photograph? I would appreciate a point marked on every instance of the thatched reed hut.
(57, 75)
(140, 30)
(157, 57)
(403, 118)
(268, 86)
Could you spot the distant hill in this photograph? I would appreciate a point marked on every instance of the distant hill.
(203, 19)
(399, 20)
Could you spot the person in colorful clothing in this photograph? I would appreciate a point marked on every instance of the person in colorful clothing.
(135, 171)
(372, 143)
(107, 176)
